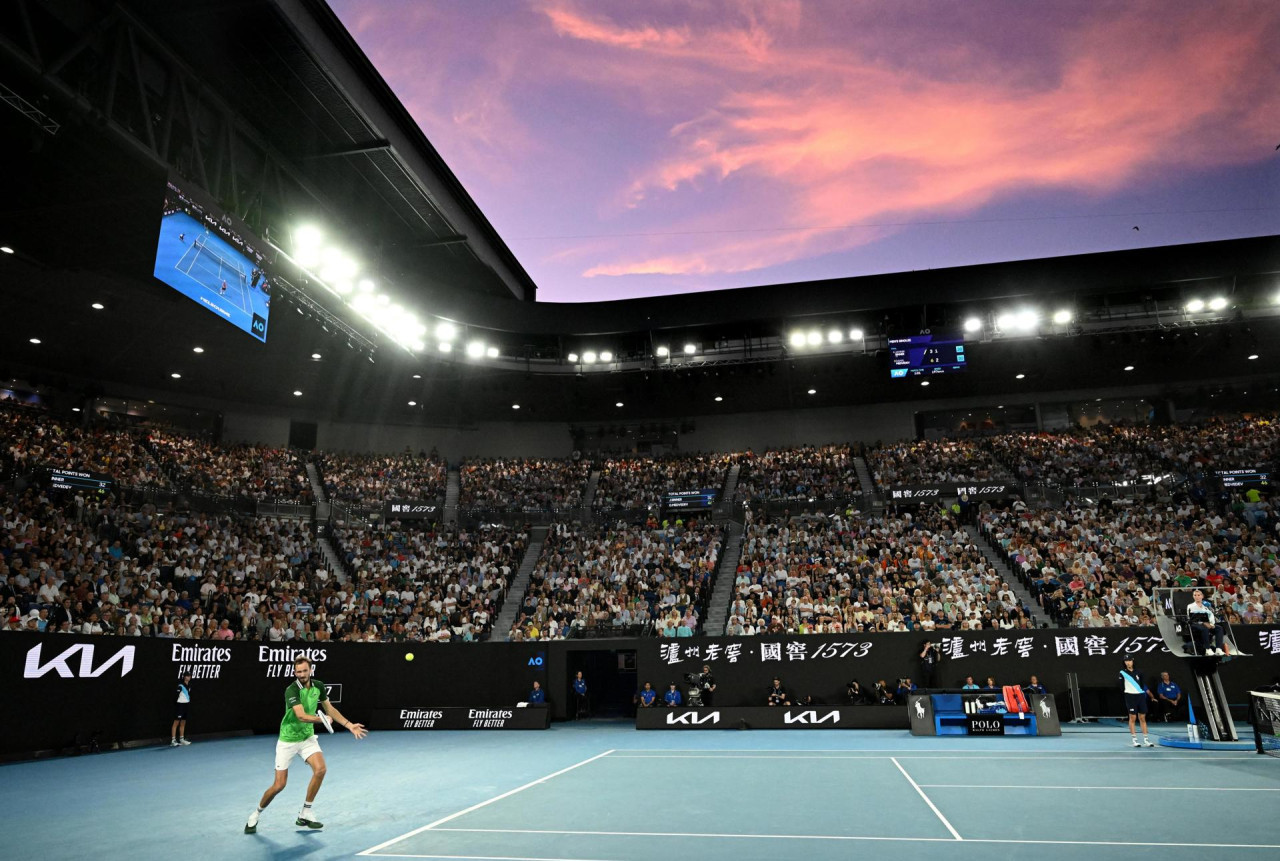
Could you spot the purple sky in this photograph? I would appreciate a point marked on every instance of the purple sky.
(629, 149)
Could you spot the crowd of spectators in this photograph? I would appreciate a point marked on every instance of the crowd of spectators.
(902, 572)
(1096, 565)
(32, 439)
(369, 480)
(809, 472)
(932, 461)
(527, 484)
(98, 569)
(429, 583)
(623, 578)
(639, 482)
(257, 472)
(1104, 454)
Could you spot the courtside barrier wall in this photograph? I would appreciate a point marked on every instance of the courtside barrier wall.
(61, 689)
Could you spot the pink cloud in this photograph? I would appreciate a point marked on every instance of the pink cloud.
(845, 142)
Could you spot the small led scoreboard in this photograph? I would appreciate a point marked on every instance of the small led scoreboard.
(921, 355)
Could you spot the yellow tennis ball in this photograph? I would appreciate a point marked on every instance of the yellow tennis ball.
(408, 656)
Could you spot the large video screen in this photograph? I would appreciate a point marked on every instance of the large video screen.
(921, 355)
(206, 255)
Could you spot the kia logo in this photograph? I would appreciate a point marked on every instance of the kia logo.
(811, 717)
(34, 670)
(692, 719)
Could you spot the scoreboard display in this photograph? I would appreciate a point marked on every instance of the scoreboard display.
(926, 355)
(70, 479)
(689, 500)
(1244, 477)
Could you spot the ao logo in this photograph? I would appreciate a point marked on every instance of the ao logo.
(33, 669)
(538, 660)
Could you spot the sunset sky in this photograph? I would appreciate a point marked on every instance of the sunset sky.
(629, 149)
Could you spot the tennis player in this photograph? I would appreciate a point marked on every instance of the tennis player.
(304, 701)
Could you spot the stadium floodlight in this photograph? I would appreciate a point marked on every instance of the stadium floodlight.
(97, 306)
(491, 352)
(855, 334)
(618, 404)
(924, 382)
(606, 356)
(297, 393)
(662, 351)
(418, 347)
(1019, 376)
(1275, 300)
(573, 358)
(475, 349)
(589, 357)
(814, 338)
(835, 336)
(445, 347)
(1252, 356)
(690, 349)
(1217, 303)
(382, 299)
(515, 406)
(1195, 306)
(197, 349)
(34, 340)
(6, 249)
(446, 331)
(315, 356)
(719, 399)
(1128, 367)
(1017, 321)
(365, 285)
(306, 245)
(1062, 316)
(797, 339)
(413, 403)
(176, 375)
(972, 324)
(813, 391)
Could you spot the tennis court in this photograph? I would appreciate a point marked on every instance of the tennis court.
(606, 791)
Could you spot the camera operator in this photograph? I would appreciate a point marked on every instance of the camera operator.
(708, 686)
(857, 694)
(777, 694)
(883, 694)
(930, 655)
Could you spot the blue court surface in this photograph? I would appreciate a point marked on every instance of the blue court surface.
(606, 791)
(198, 264)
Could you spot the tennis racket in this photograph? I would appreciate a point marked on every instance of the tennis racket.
(325, 719)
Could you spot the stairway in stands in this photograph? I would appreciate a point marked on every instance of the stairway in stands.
(722, 595)
(515, 594)
(589, 495)
(317, 489)
(724, 508)
(996, 560)
(332, 561)
(452, 492)
(870, 498)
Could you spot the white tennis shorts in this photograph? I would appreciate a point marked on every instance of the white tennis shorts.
(287, 750)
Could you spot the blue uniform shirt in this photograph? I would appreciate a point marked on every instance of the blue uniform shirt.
(579, 686)
(1169, 691)
(538, 696)
(647, 697)
(673, 698)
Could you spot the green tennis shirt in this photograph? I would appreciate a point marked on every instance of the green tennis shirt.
(310, 697)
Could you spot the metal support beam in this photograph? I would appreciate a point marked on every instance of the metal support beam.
(42, 120)
(358, 148)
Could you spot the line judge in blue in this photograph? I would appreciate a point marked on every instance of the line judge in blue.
(1136, 695)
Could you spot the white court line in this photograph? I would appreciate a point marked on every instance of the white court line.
(916, 787)
(488, 857)
(506, 794)
(1181, 759)
(1144, 788)
(839, 837)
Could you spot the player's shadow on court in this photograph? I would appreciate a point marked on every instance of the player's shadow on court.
(278, 850)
